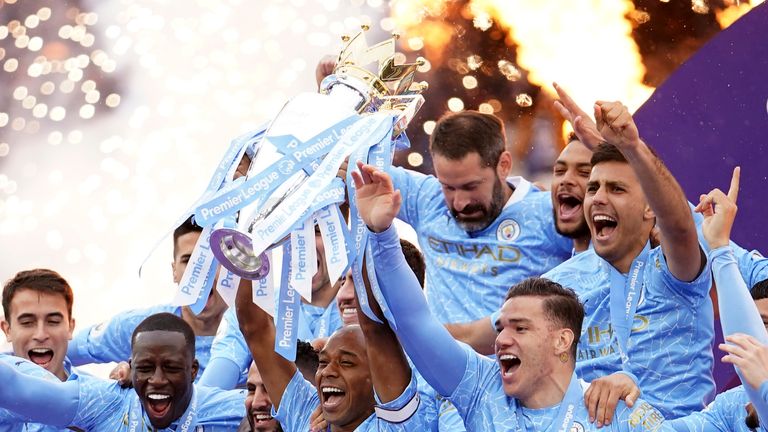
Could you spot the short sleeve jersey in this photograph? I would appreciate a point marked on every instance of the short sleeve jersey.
(725, 414)
(468, 273)
(110, 341)
(481, 401)
(670, 344)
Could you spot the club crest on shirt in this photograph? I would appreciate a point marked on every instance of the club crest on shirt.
(577, 427)
(508, 231)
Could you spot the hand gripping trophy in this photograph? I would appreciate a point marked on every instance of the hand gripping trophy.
(291, 183)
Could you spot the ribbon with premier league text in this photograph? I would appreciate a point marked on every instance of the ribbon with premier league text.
(625, 295)
(222, 177)
(288, 305)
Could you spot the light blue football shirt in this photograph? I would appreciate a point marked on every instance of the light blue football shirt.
(300, 399)
(670, 344)
(110, 341)
(481, 401)
(726, 413)
(468, 274)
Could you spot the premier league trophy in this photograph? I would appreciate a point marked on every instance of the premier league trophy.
(295, 153)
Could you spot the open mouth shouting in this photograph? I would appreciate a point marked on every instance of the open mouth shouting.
(158, 405)
(509, 363)
(41, 356)
(604, 226)
(569, 207)
(331, 397)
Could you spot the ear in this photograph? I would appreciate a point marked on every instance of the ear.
(648, 214)
(195, 369)
(6, 326)
(71, 328)
(505, 165)
(563, 340)
(176, 278)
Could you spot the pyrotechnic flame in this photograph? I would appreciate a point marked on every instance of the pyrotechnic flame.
(585, 45)
(728, 16)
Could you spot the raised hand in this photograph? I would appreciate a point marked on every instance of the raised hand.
(749, 355)
(615, 124)
(719, 211)
(583, 126)
(377, 200)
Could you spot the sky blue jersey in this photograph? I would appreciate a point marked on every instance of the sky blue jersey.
(670, 345)
(468, 274)
(98, 405)
(725, 414)
(110, 341)
(231, 358)
(481, 401)
(300, 399)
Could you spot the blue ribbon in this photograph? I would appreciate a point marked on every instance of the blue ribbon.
(625, 295)
(288, 311)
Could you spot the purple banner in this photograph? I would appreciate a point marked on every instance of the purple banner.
(712, 114)
(708, 117)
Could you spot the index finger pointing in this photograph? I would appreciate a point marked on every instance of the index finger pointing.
(733, 191)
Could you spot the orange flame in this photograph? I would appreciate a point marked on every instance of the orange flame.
(728, 16)
(585, 45)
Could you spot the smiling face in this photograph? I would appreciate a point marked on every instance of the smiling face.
(525, 346)
(163, 371)
(258, 405)
(475, 193)
(344, 380)
(39, 329)
(569, 183)
(617, 213)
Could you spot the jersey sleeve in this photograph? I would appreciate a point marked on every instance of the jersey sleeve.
(299, 400)
(405, 413)
(692, 292)
(229, 355)
(98, 400)
(109, 341)
(753, 266)
(722, 415)
(438, 357)
(23, 395)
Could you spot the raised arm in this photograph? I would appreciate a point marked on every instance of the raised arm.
(437, 356)
(665, 197)
(390, 371)
(259, 332)
(25, 395)
(742, 326)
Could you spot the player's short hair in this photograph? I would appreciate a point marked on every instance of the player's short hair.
(561, 305)
(40, 280)
(571, 137)
(760, 290)
(186, 227)
(165, 321)
(458, 134)
(415, 260)
(605, 152)
(306, 356)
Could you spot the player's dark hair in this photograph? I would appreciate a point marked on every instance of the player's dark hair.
(165, 321)
(458, 134)
(561, 305)
(186, 227)
(415, 260)
(307, 358)
(40, 280)
(760, 290)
